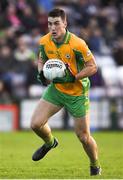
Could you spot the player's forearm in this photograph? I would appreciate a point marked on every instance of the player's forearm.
(40, 65)
(86, 72)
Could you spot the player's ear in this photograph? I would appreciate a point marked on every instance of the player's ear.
(65, 23)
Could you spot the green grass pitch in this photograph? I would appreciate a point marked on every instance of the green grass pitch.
(67, 161)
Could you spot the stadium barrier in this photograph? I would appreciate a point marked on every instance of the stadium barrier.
(105, 114)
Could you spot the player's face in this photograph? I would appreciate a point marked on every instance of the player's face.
(57, 27)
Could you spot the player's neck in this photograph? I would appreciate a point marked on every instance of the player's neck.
(61, 38)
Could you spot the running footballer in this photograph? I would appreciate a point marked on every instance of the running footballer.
(70, 91)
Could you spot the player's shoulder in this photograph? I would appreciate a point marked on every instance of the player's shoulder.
(44, 39)
(77, 40)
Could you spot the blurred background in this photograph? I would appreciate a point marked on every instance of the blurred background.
(23, 22)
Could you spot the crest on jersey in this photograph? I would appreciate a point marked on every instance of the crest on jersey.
(67, 56)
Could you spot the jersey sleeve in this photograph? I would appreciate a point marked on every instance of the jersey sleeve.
(41, 51)
(86, 52)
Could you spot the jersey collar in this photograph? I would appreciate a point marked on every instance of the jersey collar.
(65, 40)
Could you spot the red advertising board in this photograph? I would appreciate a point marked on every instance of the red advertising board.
(9, 119)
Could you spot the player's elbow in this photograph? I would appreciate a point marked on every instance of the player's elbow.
(94, 69)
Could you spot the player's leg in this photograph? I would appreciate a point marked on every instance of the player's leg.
(82, 129)
(42, 113)
(78, 106)
(48, 106)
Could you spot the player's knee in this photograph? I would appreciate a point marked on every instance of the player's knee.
(36, 123)
(84, 138)
(34, 126)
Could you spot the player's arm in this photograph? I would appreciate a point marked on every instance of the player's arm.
(40, 64)
(40, 75)
(89, 69)
(90, 66)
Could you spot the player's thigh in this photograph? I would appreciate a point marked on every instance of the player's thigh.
(77, 106)
(43, 111)
(82, 125)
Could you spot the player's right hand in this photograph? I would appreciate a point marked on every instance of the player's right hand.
(41, 78)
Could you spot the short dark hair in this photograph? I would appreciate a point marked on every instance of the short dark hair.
(57, 12)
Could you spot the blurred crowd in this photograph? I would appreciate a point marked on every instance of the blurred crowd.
(23, 22)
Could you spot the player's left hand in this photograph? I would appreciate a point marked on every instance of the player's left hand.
(68, 78)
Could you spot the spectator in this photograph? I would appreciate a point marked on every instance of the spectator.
(47, 5)
(95, 40)
(5, 97)
(118, 51)
(23, 55)
(12, 18)
(42, 20)
(28, 19)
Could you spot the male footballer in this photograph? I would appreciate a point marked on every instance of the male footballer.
(70, 91)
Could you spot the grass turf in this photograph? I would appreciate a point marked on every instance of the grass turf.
(67, 161)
